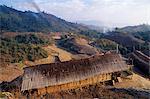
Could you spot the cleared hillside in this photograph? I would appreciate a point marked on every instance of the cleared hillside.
(13, 20)
(78, 46)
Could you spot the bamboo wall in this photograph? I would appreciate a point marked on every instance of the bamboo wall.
(142, 56)
(72, 85)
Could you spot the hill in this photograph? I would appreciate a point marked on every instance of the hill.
(78, 45)
(134, 29)
(13, 20)
(140, 31)
(132, 37)
(22, 47)
(125, 39)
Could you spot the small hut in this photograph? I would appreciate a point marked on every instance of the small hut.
(71, 74)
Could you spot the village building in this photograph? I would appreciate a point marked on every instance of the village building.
(57, 36)
(47, 78)
(141, 61)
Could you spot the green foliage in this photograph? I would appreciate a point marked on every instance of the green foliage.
(135, 29)
(68, 44)
(2, 95)
(15, 52)
(30, 39)
(105, 44)
(92, 34)
(143, 35)
(21, 65)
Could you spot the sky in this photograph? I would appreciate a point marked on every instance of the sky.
(99, 12)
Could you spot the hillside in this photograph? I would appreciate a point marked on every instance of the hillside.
(132, 37)
(141, 32)
(22, 47)
(104, 44)
(124, 38)
(13, 20)
(134, 29)
(78, 46)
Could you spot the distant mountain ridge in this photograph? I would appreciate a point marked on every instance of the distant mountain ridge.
(134, 29)
(14, 20)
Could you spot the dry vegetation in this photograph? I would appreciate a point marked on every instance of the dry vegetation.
(62, 54)
(52, 51)
(78, 46)
(9, 72)
(137, 81)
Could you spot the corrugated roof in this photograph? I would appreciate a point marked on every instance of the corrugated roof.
(45, 75)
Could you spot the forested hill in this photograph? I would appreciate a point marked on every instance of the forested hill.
(14, 20)
(135, 29)
(141, 32)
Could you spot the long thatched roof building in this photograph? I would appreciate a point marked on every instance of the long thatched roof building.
(141, 61)
(53, 74)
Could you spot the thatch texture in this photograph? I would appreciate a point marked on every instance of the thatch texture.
(142, 56)
(74, 85)
(141, 61)
(45, 75)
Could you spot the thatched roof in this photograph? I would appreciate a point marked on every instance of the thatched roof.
(142, 56)
(141, 61)
(45, 75)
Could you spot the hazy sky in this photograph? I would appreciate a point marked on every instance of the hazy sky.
(108, 12)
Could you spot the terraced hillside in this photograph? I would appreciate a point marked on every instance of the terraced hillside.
(78, 46)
